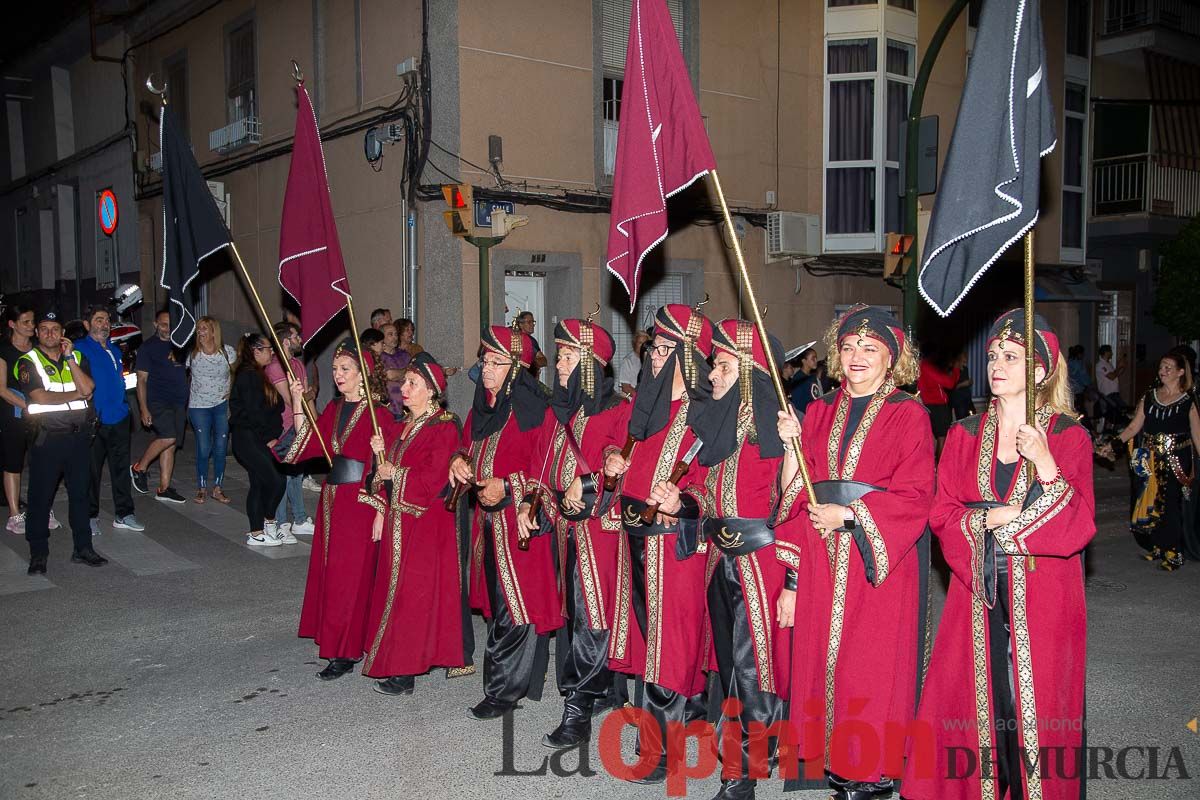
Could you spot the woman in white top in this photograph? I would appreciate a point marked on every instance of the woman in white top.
(211, 369)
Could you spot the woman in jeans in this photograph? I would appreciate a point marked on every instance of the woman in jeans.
(211, 366)
(255, 408)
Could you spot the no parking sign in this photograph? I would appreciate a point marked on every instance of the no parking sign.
(107, 211)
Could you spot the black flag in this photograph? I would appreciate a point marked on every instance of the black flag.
(989, 193)
(192, 226)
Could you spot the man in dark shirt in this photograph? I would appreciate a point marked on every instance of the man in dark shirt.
(162, 392)
(112, 435)
(526, 324)
(56, 382)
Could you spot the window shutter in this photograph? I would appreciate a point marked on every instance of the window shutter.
(615, 30)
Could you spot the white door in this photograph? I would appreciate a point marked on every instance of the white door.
(528, 293)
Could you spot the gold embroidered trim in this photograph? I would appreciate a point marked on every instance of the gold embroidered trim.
(1024, 680)
(589, 576)
(620, 635)
(758, 614)
(327, 495)
(299, 443)
(837, 618)
(878, 547)
(983, 711)
(654, 598)
(372, 501)
(788, 554)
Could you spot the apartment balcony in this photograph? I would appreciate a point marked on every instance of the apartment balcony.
(1141, 195)
(1170, 27)
(239, 133)
(610, 147)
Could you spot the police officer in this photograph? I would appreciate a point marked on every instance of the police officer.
(55, 380)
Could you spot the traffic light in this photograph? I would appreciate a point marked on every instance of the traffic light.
(896, 258)
(460, 208)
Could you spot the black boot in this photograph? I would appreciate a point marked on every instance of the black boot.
(337, 668)
(37, 565)
(396, 685)
(490, 708)
(89, 557)
(576, 725)
(736, 789)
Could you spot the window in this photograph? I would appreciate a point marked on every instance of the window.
(973, 10)
(614, 41)
(1079, 27)
(901, 72)
(852, 68)
(240, 71)
(176, 71)
(907, 5)
(843, 3)
(1075, 108)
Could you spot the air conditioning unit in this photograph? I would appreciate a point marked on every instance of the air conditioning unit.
(790, 234)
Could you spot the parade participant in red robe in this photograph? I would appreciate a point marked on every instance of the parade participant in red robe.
(514, 588)
(659, 621)
(341, 567)
(859, 635)
(587, 420)
(1003, 700)
(752, 558)
(415, 621)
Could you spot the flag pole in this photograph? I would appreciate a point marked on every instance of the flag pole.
(362, 366)
(762, 331)
(1030, 366)
(283, 356)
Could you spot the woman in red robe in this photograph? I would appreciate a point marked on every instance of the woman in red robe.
(341, 567)
(416, 618)
(587, 420)
(1002, 708)
(660, 619)
(515, 588)
(859, 633)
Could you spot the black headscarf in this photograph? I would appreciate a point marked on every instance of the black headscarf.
(519, 394)
(692, 333)
(717, 424)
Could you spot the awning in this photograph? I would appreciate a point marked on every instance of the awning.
(1061, 287)
(1176, 117)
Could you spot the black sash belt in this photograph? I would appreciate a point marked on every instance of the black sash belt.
(738, 536)
(589, 499)
(842, 493)
(631, 518)
(345, 470)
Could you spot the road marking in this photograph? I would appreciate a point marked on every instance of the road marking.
(13, 579)
(137, 552)
(229, 524)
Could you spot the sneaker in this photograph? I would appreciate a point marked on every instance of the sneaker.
(305, 528)
(94, 524)
(128, 522)
(284, 534)
(311, 484)
(141, 481)
(262, 540)
(53, 524)
(169, 495)
(16, 524)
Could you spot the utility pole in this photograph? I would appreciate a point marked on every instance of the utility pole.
(911, 156)
(485, 244)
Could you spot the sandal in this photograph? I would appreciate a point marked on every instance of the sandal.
(1154, 554)
(1172, 561)
(200, 496)
(220, 496)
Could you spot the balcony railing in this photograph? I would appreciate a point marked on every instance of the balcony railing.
(1127, 15)
(1140, 185)
(610, 146)
(247, 130)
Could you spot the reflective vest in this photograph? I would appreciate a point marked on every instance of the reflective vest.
(54, 379)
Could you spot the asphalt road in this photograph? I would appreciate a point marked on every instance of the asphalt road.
(175, 671)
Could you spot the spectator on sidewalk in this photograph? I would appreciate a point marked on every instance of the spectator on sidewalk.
(406, 331)
(961, 403)
(290, 514)
(526, 324)
(14, 423)
(934, 382)
(395, 360)
(1110, 405)
(162, 393)
(210, 365)
(380, 317)
(807, 383)
(630, 369)
(111, 442)
(255, 420)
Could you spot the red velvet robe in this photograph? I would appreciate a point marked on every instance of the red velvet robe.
(341, 568)
(1049, 617)
(526, 577)
(674, 652)
(746, 485)
(415, 619)
(595, 537)
(855, 655)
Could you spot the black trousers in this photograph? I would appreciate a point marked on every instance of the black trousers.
(515, 656)
(664, 705)
(267, 483)
(112, 444)
(583, 673)
(1006, 757)
(737, 665)
(54, 456)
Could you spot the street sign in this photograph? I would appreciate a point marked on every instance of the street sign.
(484, 209)
(107, 211)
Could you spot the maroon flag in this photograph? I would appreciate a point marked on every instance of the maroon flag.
(311, 269)
(662, 147)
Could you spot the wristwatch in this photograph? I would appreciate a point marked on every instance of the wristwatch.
(851, 522)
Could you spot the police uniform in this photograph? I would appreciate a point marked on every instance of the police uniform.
(62, 437)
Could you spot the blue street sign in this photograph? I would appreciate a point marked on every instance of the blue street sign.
(484, 209)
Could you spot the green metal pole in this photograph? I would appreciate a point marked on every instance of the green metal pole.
(913, 150)
(485, 244)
